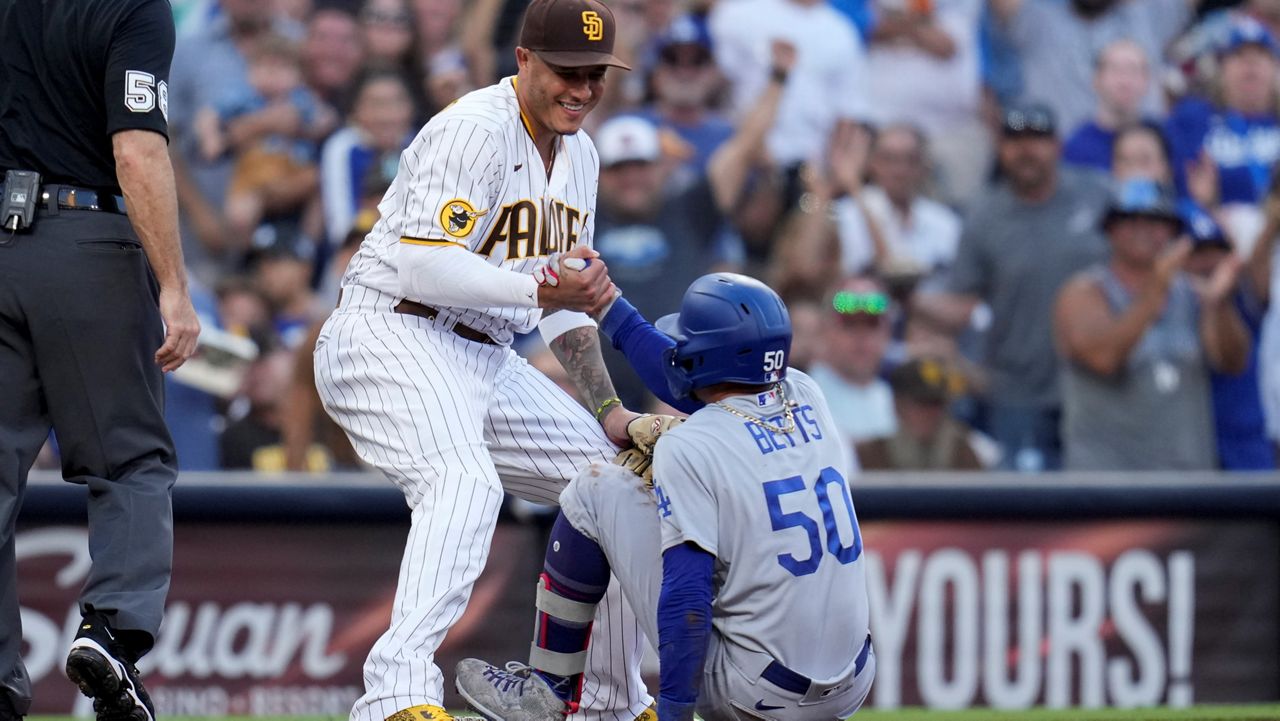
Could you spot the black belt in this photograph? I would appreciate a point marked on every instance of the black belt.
(70, 197)
(797, 683)
(409, 307)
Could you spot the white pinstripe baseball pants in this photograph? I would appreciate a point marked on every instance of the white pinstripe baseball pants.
(453, 422)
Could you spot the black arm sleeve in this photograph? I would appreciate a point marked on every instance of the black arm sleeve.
(136, 86)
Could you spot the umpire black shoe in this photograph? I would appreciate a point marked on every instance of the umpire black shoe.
(97, 665)
(7, 712)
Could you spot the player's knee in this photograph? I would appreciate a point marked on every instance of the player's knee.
(574, 497)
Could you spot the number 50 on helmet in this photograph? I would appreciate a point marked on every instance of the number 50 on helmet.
(730, 329)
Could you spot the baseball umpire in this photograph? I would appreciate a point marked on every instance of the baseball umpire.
(90, 266)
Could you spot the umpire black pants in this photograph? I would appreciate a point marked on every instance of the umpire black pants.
(79, 327)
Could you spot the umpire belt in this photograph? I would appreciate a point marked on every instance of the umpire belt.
(409, 307)
(801, 685)
(69, 197)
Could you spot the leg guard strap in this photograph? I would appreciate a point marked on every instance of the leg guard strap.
(564, 609)
(560, 664)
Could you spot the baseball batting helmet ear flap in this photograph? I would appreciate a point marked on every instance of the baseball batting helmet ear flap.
(730, 329)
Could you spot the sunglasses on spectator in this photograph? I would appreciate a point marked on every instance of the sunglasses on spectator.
(849, 303)
(1029, 122)
(380, 17)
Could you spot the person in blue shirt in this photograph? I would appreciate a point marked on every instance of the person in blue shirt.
(1224, 147)
(683, 84)
(1239, 421)
(1121, 77)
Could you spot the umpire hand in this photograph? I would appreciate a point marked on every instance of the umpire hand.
(181, 328)
(582, 283)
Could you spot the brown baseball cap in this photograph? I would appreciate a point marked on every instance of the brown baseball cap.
(571, 33)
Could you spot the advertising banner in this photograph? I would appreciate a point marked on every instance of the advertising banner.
(273, 619)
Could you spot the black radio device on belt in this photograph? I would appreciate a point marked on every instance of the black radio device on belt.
(21, 192)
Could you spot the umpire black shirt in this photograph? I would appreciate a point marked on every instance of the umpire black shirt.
(72, 73)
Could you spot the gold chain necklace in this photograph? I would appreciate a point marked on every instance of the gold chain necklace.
(788, 415)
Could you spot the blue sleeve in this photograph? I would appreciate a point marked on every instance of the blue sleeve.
(684, 629)
(644, 347)
(306, 103)
(1185, 129)
(861, 14)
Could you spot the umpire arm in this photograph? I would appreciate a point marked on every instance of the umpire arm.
(146, 177)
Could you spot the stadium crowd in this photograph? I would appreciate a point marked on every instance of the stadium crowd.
(1027, 234)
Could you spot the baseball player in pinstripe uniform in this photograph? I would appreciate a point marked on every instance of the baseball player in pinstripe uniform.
(487, 224)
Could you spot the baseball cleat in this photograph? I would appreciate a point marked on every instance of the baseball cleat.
(95, 665)
(7, 711)
(512, 694)
(427, 712)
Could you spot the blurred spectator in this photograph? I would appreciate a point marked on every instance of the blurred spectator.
(208, 65)
(1141, 151)
(808, 325)
(449, 79)
(379, 128)
(1058, 42)
(684, 83)
(1224, 147)
(283, 275)
(252, 440)
(1020, 243)
(922, 64)
(1121, 79)
(437, 26)
(271, 127)
(242, 308)
(927, 438)
(917, 235)
(1138, 338)
(1239, 419)
(860, 13)
(191, 413)
(295, 10)
(304, 426)
(332, 55)
(849, 364)
(654, 243)
(392, 44)
(828, 82)
(745, 180)
(829, 235)
(1263, 265)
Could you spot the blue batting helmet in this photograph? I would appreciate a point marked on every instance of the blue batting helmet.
(730, 329)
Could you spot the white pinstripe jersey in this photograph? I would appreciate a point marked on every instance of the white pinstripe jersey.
(473, 177)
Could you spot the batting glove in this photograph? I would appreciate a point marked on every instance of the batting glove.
(638, 462)
(549, 272)
(646, 429)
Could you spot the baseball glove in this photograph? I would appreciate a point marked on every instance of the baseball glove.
(646, 429)
(638, 462)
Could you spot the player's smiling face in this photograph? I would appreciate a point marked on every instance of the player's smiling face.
(558, 98)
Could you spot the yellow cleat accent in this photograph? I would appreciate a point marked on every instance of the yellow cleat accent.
(649, 714)
(428, 713)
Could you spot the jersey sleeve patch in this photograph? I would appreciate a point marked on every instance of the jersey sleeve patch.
(458, 217)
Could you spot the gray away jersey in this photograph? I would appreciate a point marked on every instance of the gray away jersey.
(775, 511)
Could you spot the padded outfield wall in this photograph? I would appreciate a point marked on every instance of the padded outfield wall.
(986, 590)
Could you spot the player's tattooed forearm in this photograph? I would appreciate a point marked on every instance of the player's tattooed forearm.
(579, 352)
